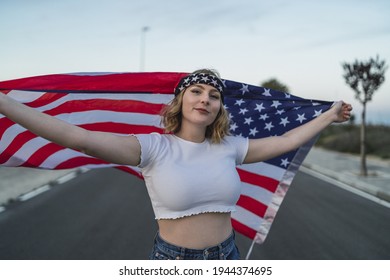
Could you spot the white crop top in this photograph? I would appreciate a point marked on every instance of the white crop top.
(184, 178)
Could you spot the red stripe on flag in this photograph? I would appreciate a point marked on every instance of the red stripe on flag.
(106, 105)
(243, 229)
(156, 82)
(258, 180)
(4, 125)
(131, 171)
(45, 99)
(16, 144)
(252, 205)
(79, 161)
(41, 154)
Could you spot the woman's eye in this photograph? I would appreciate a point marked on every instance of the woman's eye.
(215, 97)
(196, 91)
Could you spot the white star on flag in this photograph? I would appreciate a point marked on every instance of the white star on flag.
(248, 121)
(266, 92)
(285, 162)
(259, 107)
(243, 111)
(268, 126)
(276, 104)
(244, 88)
(239, 102)
(301, 117)
(284, 121)
(263, 117)
(253, 131)
(317, 113)
(233, 126)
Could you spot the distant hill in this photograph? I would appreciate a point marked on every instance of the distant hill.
(346, 138)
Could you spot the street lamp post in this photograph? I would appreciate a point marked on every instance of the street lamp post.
(143, 47)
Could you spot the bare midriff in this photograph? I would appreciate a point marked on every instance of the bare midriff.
(197, 231)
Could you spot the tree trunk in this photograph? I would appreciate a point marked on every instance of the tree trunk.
(363, 166)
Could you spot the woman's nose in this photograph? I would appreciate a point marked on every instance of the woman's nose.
(205, 98)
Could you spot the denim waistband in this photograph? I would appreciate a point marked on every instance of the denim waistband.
(215, 252)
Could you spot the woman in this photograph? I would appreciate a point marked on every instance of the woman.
(183, 169)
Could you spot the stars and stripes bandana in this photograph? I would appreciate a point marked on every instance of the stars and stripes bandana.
(127, 103)
(200, 78)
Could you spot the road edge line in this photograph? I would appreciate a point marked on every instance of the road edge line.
(344, 186)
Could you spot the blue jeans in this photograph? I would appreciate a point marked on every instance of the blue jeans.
(227, 250)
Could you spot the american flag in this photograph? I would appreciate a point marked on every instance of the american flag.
(126, 103)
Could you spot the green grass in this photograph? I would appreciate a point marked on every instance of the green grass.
(346, 138)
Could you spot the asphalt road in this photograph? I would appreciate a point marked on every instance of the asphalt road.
(106, 214)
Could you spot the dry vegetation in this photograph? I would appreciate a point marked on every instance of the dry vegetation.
(346, 138)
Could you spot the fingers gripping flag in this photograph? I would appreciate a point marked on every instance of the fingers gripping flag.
(130, 103)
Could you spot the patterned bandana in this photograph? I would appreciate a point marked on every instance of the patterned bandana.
(200, 78)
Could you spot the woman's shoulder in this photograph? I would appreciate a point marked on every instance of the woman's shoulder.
(152, 135)
(158, 139)
(153, 146)
(234, 139)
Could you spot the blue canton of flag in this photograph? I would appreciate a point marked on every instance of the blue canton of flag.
(258, 112)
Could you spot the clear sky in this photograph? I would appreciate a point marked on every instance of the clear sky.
(301, 43)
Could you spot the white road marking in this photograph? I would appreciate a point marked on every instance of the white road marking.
(344, 186)
(34, 193)
(66, 178)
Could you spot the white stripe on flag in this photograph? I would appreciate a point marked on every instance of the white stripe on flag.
(260, 194)
(265, 169)
(247, 218)
(21, 96)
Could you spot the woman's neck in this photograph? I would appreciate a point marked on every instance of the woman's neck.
(192, 136)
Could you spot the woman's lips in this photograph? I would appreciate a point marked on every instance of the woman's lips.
(201, 110)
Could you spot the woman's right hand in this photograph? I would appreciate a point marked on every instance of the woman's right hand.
(341, 111)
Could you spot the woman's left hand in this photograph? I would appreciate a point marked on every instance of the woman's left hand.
(342, 111)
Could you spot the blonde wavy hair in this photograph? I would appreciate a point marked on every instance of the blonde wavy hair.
(172, 115)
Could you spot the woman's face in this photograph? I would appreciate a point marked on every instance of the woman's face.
(201, 105)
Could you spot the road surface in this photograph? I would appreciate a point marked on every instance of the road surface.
(106, 214)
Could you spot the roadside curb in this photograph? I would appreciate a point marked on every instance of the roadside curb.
(43, 188)
(352, 180)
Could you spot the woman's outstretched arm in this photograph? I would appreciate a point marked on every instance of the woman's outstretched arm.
(124, 150)
(270, 147)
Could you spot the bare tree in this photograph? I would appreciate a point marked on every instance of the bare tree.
(364, 77)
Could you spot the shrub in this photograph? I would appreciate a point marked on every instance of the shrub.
(346, 138)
